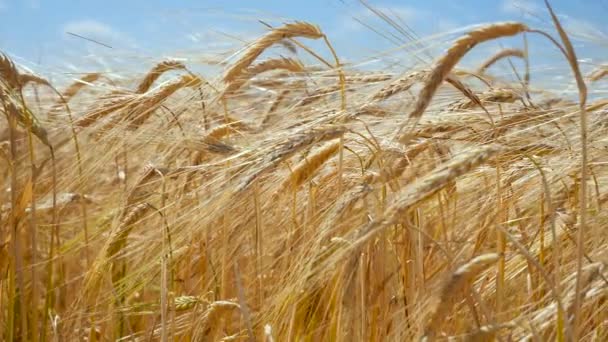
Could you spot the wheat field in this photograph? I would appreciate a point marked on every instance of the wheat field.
(293, 196)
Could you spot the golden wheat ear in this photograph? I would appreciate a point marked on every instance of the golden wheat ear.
(459, 48)
(304, 170)
(8, 72)
(156, 72)
(291, 30)
(452, 291)
(505, 53)
(286, 64)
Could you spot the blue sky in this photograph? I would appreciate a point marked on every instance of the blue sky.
(34, 32)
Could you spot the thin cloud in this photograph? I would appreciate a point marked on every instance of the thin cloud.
(397, 13)
(525, 7)
(97, 31)
(584, 29)
(33, 4)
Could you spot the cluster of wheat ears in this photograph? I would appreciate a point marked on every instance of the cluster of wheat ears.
(285, 202)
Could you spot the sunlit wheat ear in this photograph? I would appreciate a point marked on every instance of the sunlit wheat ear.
(290, 147)
(318, 94)
(305, 169)
(445, 64)
(72, 90)
(156, 72)
(374, 78)
(499, 95)
(598, 74)
(103, 109)
(77, 85)
(218, 132)
(275, 105)
(291, 30)
(144, 107)
(183, 303)
(498, 56)
(452, 291)
(396, 169)
(399, 85)
(287, 64)
(426, 186)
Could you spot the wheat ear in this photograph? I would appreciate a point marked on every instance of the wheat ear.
(425, 187)
(452, 289)
(291, 30)
(8, 72)
(498, 56)
(24, 79)
(289, 148)
(287, 64)
(598, 74)
(156, 72)
(146, 106)
(460, 47)
(305, 169)
(400, 85)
